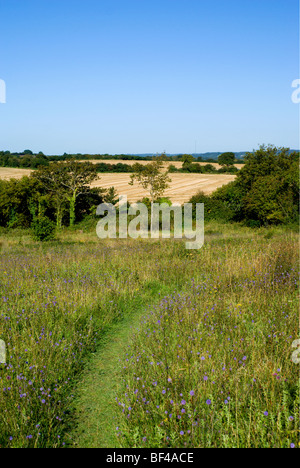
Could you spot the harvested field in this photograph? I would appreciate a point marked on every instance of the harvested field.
(182, 187)
(7, 173)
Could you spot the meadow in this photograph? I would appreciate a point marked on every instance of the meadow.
(207, 364)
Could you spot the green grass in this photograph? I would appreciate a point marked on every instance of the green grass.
(67, 308)
(94, 405)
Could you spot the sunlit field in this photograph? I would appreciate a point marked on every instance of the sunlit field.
(182, 186)
(208, 366)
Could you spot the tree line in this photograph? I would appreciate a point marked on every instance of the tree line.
(265, 191)
(29, 160)
(60, 192)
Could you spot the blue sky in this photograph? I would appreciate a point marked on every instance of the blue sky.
(139, 76)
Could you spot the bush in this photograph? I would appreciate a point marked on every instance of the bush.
(228, 170)
(43, 229)
(271, 200)
(164, 200)
(172, 168)
(232, 195)
(208, 169)
(252, 223)
(213, 209)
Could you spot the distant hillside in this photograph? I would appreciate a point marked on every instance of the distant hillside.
(204, 156)
(212, 155)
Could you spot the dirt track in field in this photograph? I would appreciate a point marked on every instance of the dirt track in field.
(182, 187)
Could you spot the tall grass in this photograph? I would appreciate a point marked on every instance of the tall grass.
(212, 367)
(57, 300)
(55, 303)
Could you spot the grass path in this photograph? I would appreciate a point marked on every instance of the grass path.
(95, 401)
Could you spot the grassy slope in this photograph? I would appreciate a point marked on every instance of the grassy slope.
(96, 408)
(113, 281)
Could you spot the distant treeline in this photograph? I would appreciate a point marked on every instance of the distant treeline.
(189, 168)
(264, 192)
(196, 168)
(29, 160)
(103, 167)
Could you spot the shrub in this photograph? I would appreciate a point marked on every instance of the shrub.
(232, 195)
(172, 168)
(213, 209)
(228, 170)
(208, 169)
(226, 159)
(43, 229)
(164, 200)
(266, 190)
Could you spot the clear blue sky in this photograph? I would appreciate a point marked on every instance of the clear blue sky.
(138, 76)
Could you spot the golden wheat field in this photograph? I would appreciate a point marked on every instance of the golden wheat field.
(182, 187)
(7, 173)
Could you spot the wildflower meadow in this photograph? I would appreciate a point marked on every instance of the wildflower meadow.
(208, 363)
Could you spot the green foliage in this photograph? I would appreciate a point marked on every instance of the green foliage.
(226, 159)
(270, 200)
(66, 182)
(187, 159)
(25, 160)
(119, 167)
(87, 202)
(266, 190)
(228, 170)
(195, 168)
(213, 208)
(267, 160)
(164, 200)
(41, 194)
(208, 169)
(111, 196)
(232, 196)
(270, 179)
(16, 197)
(43, 229)
(172, 168)
(151, 177)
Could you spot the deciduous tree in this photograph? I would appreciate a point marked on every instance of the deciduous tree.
(66, 181)
(152, 177)
(226, 159)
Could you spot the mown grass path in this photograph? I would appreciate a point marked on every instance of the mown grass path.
(95, 395)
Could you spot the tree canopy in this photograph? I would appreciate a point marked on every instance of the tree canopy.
(266, 189)
(226, 159)
(152, 177)
(66, 181)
